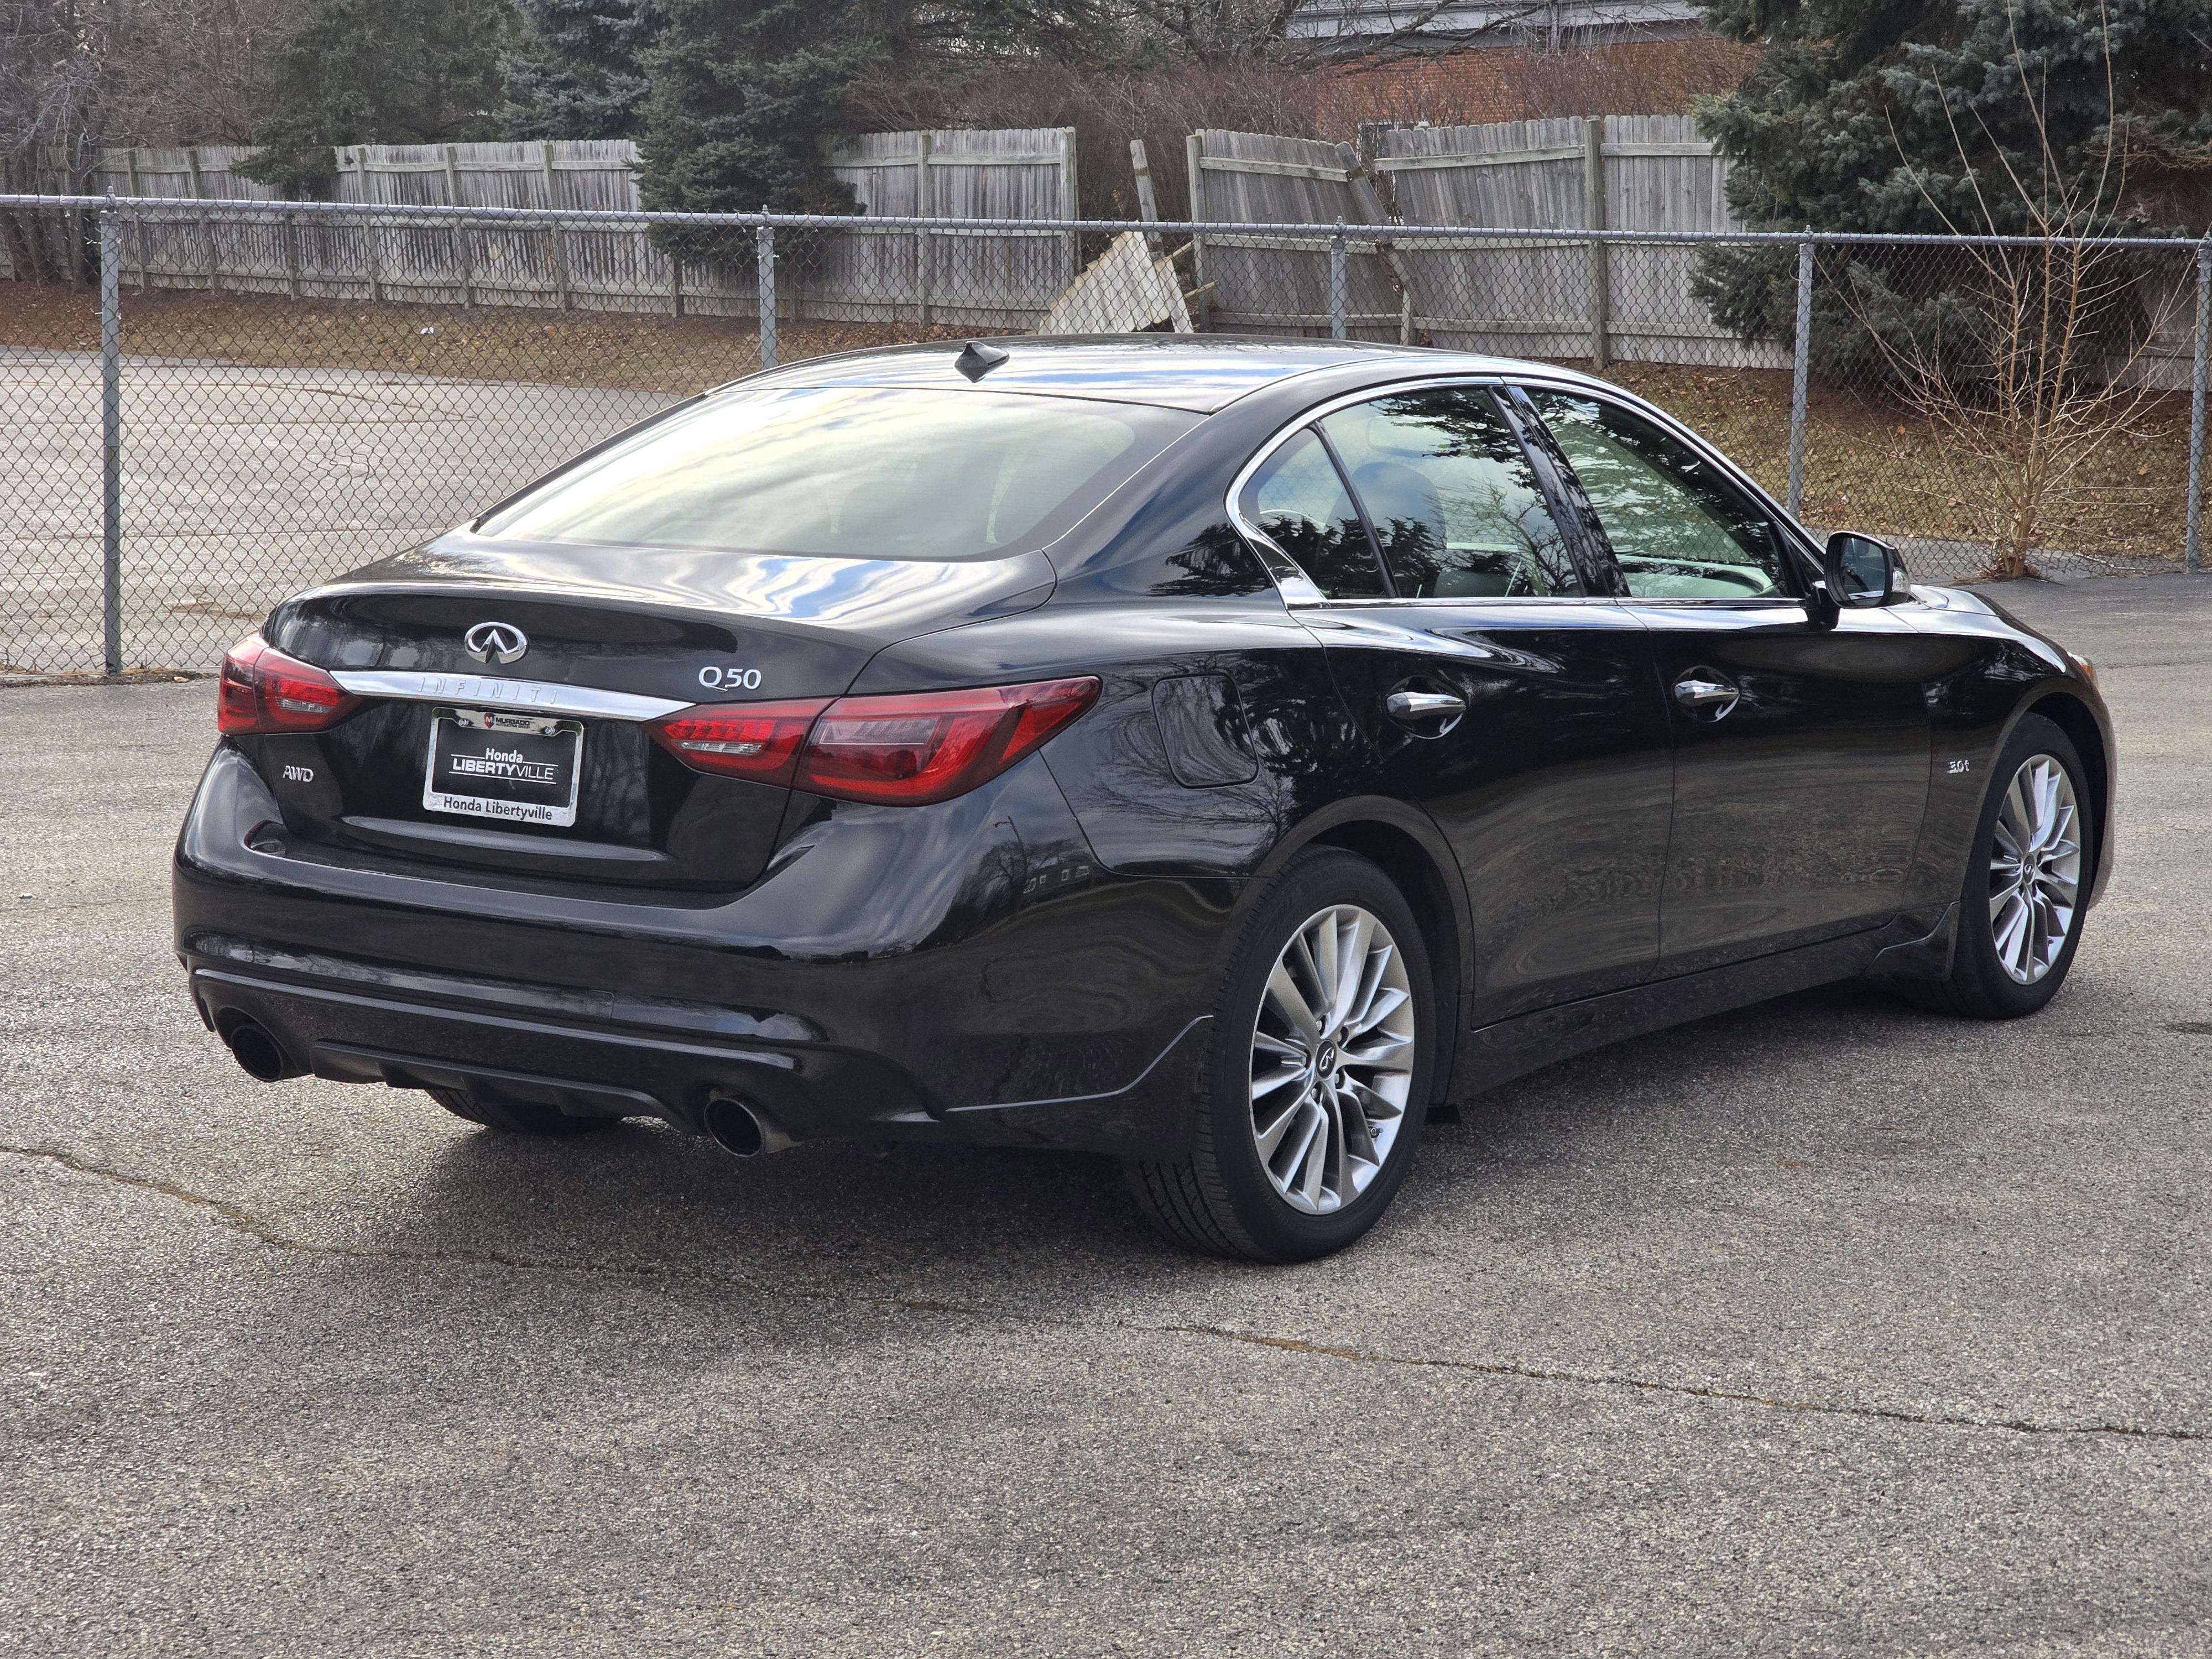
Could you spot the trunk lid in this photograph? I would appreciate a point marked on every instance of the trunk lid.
(609, 638)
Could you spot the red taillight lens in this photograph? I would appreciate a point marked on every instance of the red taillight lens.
(262, 689)
(759, 741)
(906, 750)
(912, 749)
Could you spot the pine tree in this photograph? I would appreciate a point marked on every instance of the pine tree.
(742, 93)
(377, 71)
(582, 74)
(1975, 116)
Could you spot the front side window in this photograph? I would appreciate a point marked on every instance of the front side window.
(852, 471)
(1456, 509)
(1297, 497)
(1678, 529)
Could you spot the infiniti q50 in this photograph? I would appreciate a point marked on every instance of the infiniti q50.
(1213, 754)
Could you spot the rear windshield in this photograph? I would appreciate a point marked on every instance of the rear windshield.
(864, 473)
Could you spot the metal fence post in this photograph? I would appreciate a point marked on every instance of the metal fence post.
(924, 199)
(764, 258)
(1601, 258)
(111, 441)
(1801, 352)
(2192, 547)
(1336, 283)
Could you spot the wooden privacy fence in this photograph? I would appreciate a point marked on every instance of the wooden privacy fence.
(1622, 172)
(1002, 278)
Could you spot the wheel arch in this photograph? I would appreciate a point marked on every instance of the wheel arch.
(2082, 726)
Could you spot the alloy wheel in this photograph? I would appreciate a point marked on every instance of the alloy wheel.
(2035, 869)
(1333, 1050)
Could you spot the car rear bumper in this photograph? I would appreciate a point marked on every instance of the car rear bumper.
(954, 977)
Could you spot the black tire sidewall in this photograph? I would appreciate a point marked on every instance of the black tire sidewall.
(1315, 882)
(1977, 971)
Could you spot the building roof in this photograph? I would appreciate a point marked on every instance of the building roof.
(1503, 22)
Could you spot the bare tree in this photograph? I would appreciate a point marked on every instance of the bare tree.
(49, 60)
(2031, 363)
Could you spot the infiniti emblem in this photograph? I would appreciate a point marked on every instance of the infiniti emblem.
(496, 641)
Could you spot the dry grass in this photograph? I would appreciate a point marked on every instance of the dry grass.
(1871, 464)
(616, 350)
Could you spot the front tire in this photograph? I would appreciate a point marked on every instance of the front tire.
(2020, 910)
(1316, 1080)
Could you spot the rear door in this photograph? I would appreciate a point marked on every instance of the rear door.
(1502, 691)
(1800, 768)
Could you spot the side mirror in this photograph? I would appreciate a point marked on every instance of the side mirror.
(1860, 572)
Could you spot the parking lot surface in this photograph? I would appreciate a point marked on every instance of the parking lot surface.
(1825, 1327)
(242, 484)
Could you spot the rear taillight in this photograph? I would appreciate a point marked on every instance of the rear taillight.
(262, 689)
(757, 740)
(906, 750)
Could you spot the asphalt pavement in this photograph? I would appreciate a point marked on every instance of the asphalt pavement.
(239, 484)
(1824, 1327)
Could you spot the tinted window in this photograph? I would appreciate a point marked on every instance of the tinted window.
(863, 472)
(1678, 529)
(1457, 510)
(1297, 497)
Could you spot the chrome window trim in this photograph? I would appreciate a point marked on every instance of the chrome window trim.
(491, 691)
(1296, 587)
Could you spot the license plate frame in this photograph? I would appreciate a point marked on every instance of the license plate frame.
(533, 764)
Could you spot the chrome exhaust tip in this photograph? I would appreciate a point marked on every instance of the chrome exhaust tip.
(741, 1128)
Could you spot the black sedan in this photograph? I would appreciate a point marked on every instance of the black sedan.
(1210, 753)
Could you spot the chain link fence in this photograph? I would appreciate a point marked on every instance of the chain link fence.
(261, 396)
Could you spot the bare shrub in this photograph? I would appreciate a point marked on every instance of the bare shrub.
(2030, 361)
(2027, 371)
(1535, 83)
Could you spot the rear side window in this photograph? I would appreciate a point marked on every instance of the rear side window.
(861, 472)
(1298, 498)
(1456, 509)
(1678, 529)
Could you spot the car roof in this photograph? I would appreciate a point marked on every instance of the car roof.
(1200, 372)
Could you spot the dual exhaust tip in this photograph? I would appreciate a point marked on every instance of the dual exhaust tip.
(260, 1054)
(739, 1127)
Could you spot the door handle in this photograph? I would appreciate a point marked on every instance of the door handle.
(1703, 692)
(1425, 705)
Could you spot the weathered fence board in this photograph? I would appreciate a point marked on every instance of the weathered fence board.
(1276, 284)
(1556, 299)
(999, 279)
(924, 277)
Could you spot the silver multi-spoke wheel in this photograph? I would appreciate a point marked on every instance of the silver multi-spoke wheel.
(2035, 869)
(1333, 1050)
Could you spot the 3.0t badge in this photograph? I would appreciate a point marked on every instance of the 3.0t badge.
(496, 641)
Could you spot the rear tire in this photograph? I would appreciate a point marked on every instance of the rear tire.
(1317, 1078)
(2020, 909)
(517, 1120)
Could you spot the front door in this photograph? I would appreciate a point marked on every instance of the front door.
(1518, 707)
(1800, 768)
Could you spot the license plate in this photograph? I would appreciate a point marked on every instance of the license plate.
(521, 768)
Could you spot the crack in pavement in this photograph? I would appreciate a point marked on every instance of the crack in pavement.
(251, 1224)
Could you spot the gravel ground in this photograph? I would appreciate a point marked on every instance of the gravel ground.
(1825, 1327)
